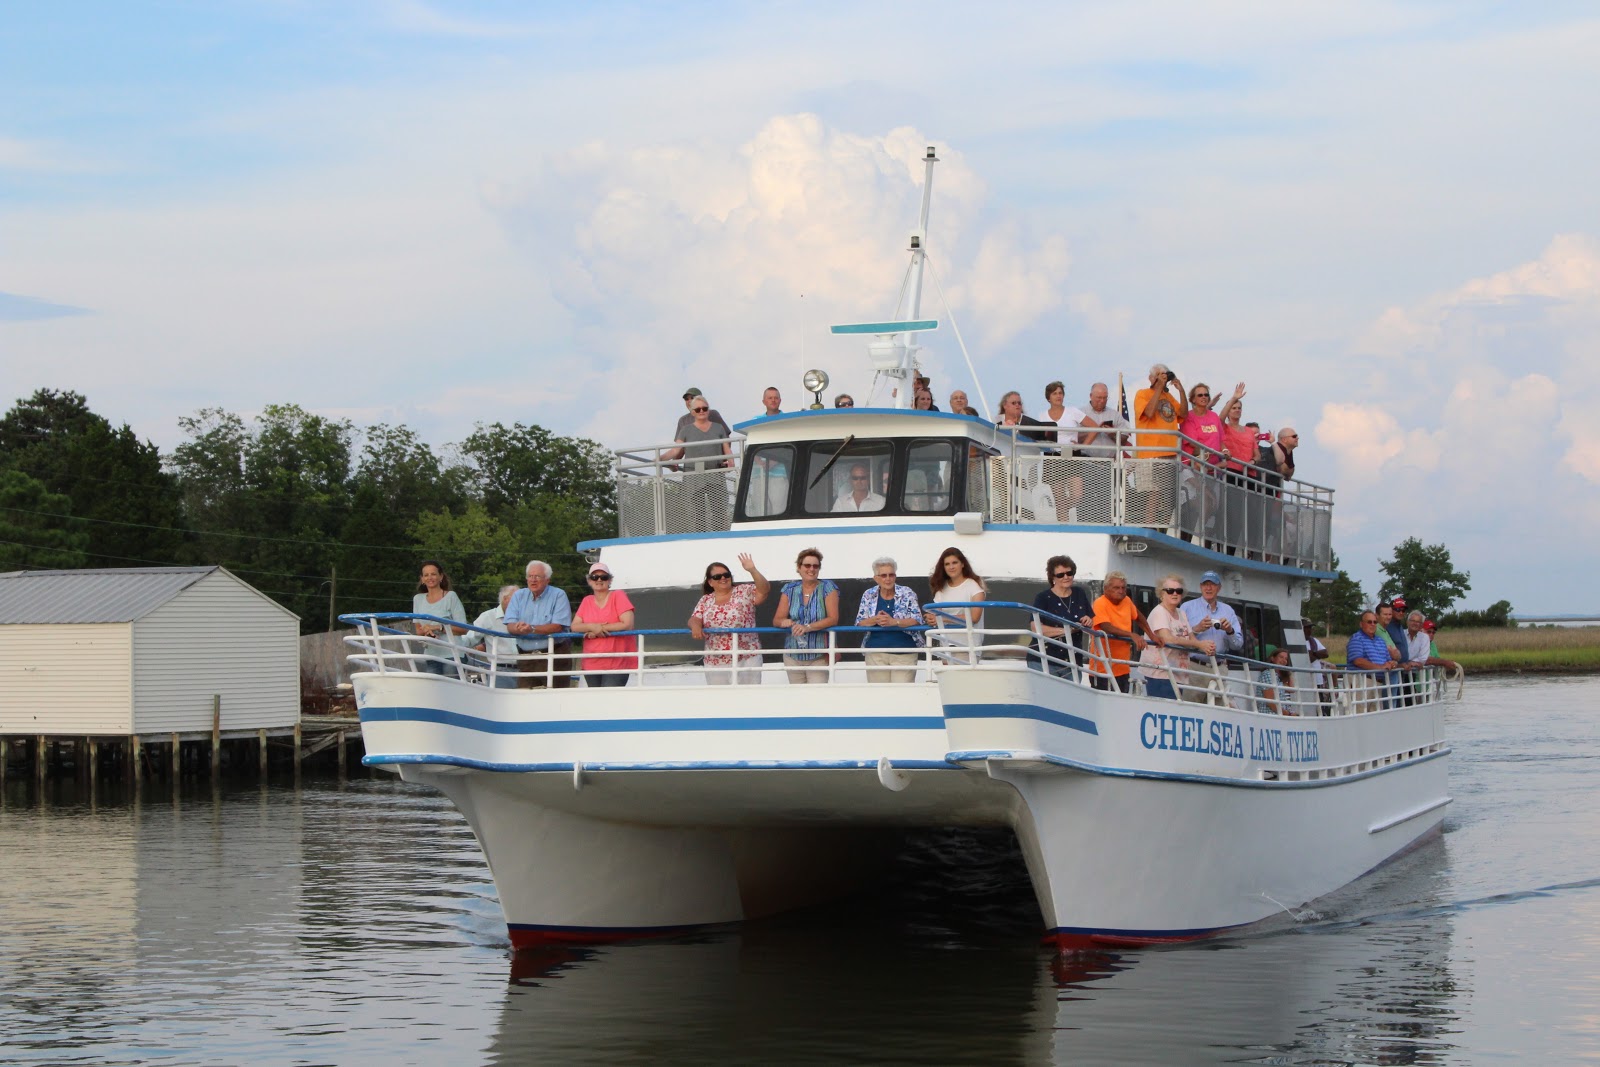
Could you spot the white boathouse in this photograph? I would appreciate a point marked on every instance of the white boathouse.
(144, 651)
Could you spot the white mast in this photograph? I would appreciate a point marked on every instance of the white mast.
(906, 396)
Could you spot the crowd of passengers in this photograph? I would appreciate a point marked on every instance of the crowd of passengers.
(1181, 649)
(1163, 414)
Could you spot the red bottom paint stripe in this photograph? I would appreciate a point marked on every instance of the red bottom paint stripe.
(525, 936)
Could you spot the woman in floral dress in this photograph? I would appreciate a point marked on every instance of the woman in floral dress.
(728, 606)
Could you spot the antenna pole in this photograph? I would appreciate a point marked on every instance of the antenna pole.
(905, 397)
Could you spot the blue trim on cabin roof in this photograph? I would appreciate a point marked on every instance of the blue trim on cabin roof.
(763, 420)
(1207, 555)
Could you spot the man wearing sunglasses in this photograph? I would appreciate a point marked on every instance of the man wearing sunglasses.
(859, 497)
(690, 395)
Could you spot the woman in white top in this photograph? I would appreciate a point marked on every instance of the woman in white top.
(434, 597)
(954, 581)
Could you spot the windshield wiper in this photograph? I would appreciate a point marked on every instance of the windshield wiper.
(828, 466)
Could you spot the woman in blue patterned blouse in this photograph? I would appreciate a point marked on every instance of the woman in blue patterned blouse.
(808, 608)
(891, 653)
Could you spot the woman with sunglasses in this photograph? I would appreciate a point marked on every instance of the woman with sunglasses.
(604, 612)
(1163, 668)
(844, 400)
(1065, 600)
(807, 607)
(724, 605)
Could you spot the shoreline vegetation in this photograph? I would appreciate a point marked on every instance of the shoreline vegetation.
(1511, 650)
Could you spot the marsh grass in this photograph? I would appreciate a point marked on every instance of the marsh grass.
(1523, 648)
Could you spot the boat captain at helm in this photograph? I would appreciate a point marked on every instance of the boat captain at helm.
(860, 496)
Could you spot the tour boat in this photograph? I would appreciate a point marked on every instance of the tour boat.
(669, 804)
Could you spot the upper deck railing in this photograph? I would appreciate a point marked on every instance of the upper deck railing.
(1231, 506)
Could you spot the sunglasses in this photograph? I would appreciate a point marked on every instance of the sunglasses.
(848, 404)
(809, 566)
(699, 411)
(1173, 592)
(719, 577)
(1065, 574)
(599, 576)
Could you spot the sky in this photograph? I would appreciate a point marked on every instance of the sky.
(1381, 216)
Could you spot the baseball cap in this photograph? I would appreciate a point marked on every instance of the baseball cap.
(1398, 603)
(1211, 576)
(692, 391)
(1429, 625)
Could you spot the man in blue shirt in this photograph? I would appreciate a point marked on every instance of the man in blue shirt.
(1368, 652)
(1212, 620)
(534, 612)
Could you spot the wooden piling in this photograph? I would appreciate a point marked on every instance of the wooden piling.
(341, 754)
(177, 755)
(136, 757)
(216, 736)
(261, 752)
(5, 757)
(94, 762)
(39, 756)
(298, 751)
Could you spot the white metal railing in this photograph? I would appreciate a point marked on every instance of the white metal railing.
(957, 644)
(1249, 512)
(689, 494)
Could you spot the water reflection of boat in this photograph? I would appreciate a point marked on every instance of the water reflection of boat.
(671, 803)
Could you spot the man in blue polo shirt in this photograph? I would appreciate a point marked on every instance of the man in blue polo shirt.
(1212, 620)
(535, 612)
(1368, 652)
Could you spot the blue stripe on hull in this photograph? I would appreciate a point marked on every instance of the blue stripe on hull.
(394, 759)
(629, 726)
(1021, 711)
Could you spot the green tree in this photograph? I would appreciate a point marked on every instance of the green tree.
(1335, 605)
(271, 501)
(28, 540)
(1424, 576)
(479, 553)
(1496, 614)
(117, 493)
(520, 466)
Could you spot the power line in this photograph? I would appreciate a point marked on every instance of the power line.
(229, 566)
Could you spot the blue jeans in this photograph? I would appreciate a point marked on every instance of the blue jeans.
(437, 666)
(604, 681)
(1160, 687)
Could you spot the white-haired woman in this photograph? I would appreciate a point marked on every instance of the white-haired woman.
(890, 608)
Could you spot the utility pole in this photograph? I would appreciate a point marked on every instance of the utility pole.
(333, 591)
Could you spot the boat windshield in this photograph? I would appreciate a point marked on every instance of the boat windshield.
(855, 477)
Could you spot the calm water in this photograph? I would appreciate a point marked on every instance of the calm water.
(355, 923)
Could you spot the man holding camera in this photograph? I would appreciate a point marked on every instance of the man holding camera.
(1157, 412)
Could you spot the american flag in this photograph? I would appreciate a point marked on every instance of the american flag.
(1122, 399)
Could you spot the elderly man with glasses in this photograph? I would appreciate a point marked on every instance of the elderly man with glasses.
(532, 615)
(1368, 651)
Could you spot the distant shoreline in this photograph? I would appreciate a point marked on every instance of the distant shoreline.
(1514, 650)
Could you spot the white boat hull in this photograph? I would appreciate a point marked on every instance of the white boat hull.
(607, 814)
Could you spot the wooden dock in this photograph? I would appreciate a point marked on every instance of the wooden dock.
(173, 756)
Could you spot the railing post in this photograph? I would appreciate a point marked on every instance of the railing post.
(658, 494)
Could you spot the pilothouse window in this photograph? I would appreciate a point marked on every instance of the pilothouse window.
(930, 467)
(767, 491)
(844, 479)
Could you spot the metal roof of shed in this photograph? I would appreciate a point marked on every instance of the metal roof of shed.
(111, 594)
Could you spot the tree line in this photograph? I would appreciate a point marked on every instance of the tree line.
(1422, 574)
(318, 513)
